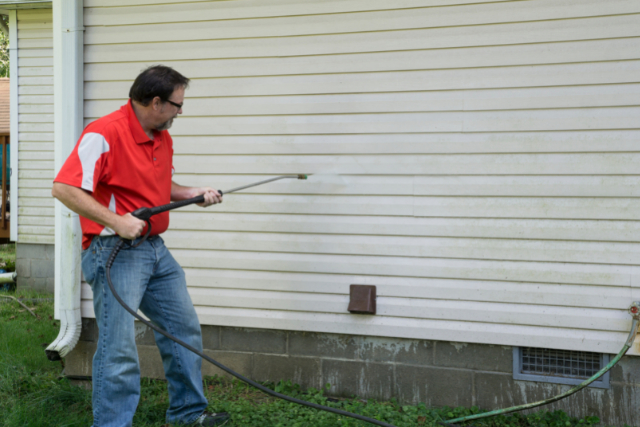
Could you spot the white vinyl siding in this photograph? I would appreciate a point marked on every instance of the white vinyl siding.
(35, 116)
(477, 162)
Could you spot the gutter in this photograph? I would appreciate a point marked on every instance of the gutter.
(25, 4)
(68, 82)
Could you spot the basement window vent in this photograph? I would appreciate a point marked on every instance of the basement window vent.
(559, 366)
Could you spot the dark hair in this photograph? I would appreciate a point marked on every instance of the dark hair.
(157, 80)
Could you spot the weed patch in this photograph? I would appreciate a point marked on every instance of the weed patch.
(251, 408)
(34, 393)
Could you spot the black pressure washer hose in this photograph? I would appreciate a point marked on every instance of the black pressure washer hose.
(146, 213)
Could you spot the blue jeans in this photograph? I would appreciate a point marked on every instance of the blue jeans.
(148, 279)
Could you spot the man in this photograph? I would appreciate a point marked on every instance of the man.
(122, 162)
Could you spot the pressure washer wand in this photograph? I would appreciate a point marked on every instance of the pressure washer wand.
(145, 214)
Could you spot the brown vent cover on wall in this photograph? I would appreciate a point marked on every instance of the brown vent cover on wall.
(362, 299)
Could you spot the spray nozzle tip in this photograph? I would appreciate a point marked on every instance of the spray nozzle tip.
(302, 176)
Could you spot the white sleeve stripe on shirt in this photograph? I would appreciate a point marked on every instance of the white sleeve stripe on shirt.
(91, 147)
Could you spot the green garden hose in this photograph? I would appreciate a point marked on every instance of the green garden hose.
(634, 310)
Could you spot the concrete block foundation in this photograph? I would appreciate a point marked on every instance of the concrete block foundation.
(35, 266)
(435, 373)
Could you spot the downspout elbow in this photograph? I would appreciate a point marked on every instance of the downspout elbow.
(68, 337)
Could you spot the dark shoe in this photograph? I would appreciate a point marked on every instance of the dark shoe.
(212, 419)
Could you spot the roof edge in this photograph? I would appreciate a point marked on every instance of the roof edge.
(25, 4)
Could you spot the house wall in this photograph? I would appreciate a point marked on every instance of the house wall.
(476, 162)
(34, 255)
(487, 155)
(35, 144)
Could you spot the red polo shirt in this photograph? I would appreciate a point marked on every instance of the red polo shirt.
(122, 168)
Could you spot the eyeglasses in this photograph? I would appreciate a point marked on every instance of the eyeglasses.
(175, 105)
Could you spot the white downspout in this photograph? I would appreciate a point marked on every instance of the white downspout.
(13, 123)
(68, 124)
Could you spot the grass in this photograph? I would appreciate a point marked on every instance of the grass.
(8, 256)
(33, 392)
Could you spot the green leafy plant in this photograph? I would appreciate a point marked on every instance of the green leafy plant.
(4, 49)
